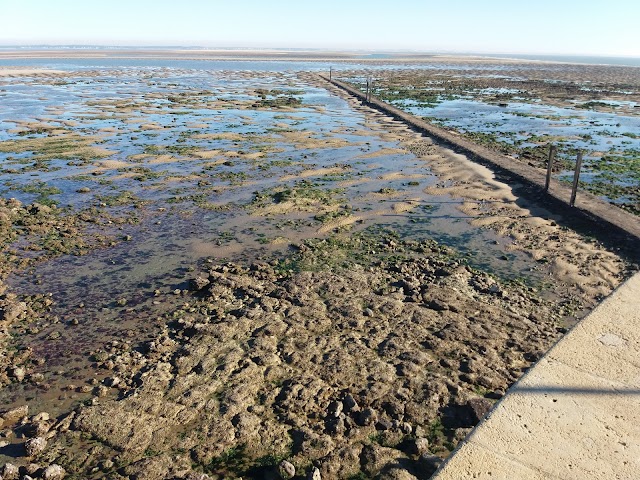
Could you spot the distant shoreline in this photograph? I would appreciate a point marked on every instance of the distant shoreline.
(7, 53)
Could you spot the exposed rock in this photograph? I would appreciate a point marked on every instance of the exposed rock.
(430, 462)
(12, 310)
(286, 470)
(200, 282)
(15, 414)
(375, 457)
(41, 417)
(395, 473)
(314, 474)
(35, 446)
(418, 446)
(54, 472)
(479, 407)
(366, 417)
(18, 373)
(10, 472)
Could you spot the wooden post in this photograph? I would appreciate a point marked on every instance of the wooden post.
(366, 97)
(370, 88)
(576, 178)
(552, 155)
(330, 73)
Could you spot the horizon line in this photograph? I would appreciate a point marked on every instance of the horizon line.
(314, 49)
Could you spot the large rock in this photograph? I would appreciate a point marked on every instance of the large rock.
(54, 472)
(10, 312)
(10, 472)
(35, 446)
(15, 414)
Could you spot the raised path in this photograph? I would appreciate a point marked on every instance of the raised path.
(575, 414)
(595, 210)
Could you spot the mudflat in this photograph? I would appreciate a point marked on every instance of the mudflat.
(244, 274)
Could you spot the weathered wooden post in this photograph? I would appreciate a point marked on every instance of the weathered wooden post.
(576, 178)
(330, 71)
(370, 88)
(552, 155)
(366, 96)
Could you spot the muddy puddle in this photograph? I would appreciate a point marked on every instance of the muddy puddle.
(129, 183)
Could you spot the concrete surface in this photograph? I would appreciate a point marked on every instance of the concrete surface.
(575, 414)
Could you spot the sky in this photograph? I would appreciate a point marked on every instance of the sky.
(560, 27)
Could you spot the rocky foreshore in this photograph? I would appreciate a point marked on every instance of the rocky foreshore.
(374, 368)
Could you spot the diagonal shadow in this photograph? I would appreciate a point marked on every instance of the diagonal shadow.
(577, 391)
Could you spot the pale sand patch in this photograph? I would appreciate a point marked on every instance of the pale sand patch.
(197, 125)
(588, 268)
(295, 205)
(108, 130)
(114, 164)
(400, 176)
(402, 207)
(96, 152)
(354, 182)
(253, 156)
(205, 154)
(17, 71)
(319, 172)
(279, 241)
(339, 223)
(220, 136)
(383, 152)
(133, 120)
(220, 161)
(151, 126)
(306, 140)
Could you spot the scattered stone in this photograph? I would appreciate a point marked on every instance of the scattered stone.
(350, 403)
(335, 409)
(314, 474)
(18, 373)
(366, 417)
(54, 472)
(430, 462)
(479, 407)
(200, 282)
(287, 470)
(15, 414)
(10, 472)
(11, 312)
(32, 468)
(35, 446)
(406, 428)
(418, 446)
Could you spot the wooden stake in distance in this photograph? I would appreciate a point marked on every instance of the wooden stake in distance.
(330, 71)
(576, 178)
(366, 97)
(552, 155)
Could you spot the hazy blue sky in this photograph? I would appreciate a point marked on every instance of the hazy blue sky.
(590, 27)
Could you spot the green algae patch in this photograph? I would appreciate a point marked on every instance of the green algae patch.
(63, 147)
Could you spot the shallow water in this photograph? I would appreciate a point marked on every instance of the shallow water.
(191, 209)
